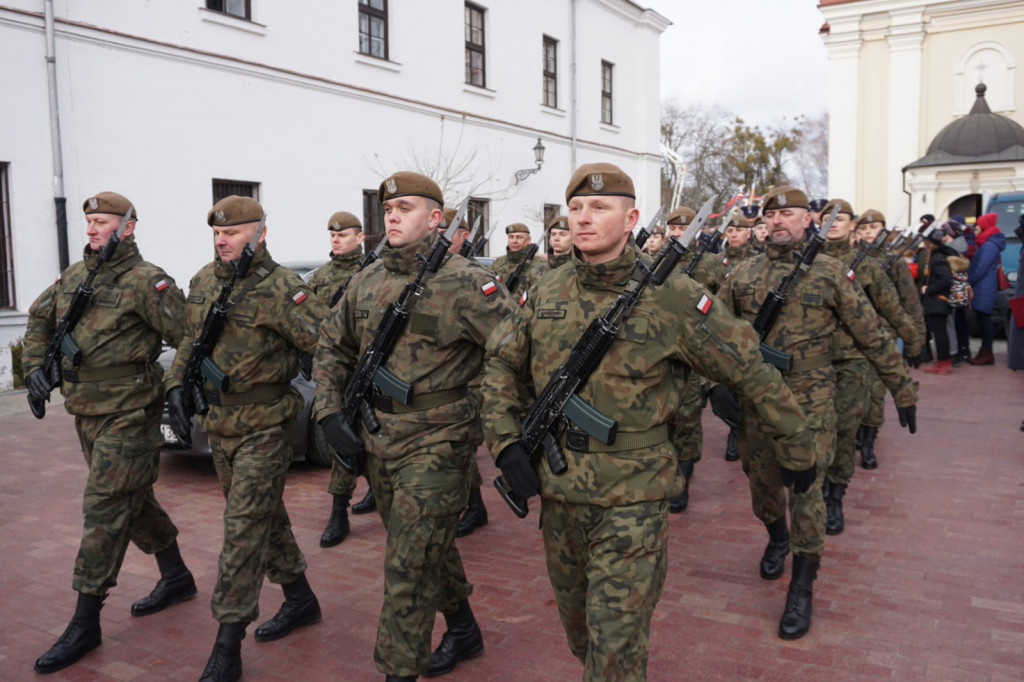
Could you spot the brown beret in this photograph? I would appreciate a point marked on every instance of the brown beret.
(658, 229)
(559, 223)
(342, 220)
(681, 216)
(234, 210)
(844, 207)
(407, 183)
(784, 197)
(109, 202)
(603, 179)
(517, 227)
(738, 221)
(449, 215)
(871, 216)
(759, 220)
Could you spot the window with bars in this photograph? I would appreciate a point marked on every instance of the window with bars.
(606, 91)
(476, 73)
(236, 8)
(373, 28)
(550, 72)
(373, 220)
(242, 188)
(6, 250)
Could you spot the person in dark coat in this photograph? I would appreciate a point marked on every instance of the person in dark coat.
(937, 282)
(1015, 345)
(982, 273)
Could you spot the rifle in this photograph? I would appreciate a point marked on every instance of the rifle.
(912, 246)
(772, 306)
(468, 248)
(559, 400)
(645, 232)
(62, 343)
(705, 245)
(200, 366)
(513, 279)
(864, 249)
(367, 260)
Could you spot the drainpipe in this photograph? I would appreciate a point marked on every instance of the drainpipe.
(59, 200)
(574, 114)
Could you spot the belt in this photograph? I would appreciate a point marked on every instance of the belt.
(807, 364)
(581, 441)
(80, 374)
(263, 393)
(425, 401)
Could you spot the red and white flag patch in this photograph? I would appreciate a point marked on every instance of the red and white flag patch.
(161, 285)
(851, 275)
(725, 261)
(299, 297)
(489, 288)
(704, 304)
(522, 299)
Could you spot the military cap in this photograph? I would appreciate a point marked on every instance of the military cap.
(738, 221)
(234, 210)
(681, 216)
(750, 211)
(818, 205)
(759, 220)
(517, 227)
(407, 183)
(559, 223)
(784, 197)
(342, 220)
(844, 207)
(658, 229)
(604, 179)
(871, 216)
(448, 216)
(109, 202)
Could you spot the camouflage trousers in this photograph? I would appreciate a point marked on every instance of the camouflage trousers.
(258, 539)
(342, 482)
(419, 497)
(769, 497)
(118, 505)
(851, 406)
(685, 429)
(607, 567)
(876, 406)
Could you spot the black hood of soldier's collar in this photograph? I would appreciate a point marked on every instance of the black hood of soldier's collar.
(403, 258)
(611, 274)
(224, 270)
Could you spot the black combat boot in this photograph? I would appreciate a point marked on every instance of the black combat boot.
(176, 583)
(400, 678)
(834, 508)
(796, 619)
(365, 505)
(732, 449)
(337, 525)
(867, 448)
(300, 608)
(859, 440)
(225, 664)
(679, 502)
(773, 562)
(81, 636)
(462, 641)
(475, 515)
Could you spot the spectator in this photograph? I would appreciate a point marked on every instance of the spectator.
(982, 273)
(1015, 346)
(938, 280)
(959, 326)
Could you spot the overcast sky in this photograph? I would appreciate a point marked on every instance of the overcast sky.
(760, 59)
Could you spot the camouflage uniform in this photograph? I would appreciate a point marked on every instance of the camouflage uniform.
(556, 261)
(116, 396)
(417, 463)
(734, 255)
(504, 266)
(822, 300)
(604, 521)
(272, 318)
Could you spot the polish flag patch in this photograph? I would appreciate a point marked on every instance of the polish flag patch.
(725, 261)
(497, 278)
(704, 304)
(299, 297)
(522, 299)
(851, 275)
(161, 285)
(489, 288)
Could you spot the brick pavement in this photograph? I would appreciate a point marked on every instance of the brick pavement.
(925, 584)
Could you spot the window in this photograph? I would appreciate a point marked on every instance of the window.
(476, 74)
(373, 28)
(6, 252)
(236, 8)
(606, 92)
(225, 188)
(373, 219)
(482, 208)
(550, 72)
(551, 211)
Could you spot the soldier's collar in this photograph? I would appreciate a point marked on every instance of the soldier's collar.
(403, 258)
(776, 251)
(224, 270)
(126, 249)
(841, 247)
(353, 256)
(516, 256)
(612, 274)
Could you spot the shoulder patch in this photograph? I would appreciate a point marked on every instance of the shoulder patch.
(704, 304)
(725, 261)
(522, 299)
(851, 275)
(489, 288)
(550, 314)
(161, 285)
(299, 297)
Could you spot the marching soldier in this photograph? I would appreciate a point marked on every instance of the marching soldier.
(822, 299)
(272, 317)
(327, 283)
(655, 241)
(518, 251)
(116, 394)
(561, 242)
(604, 521)
(738, 244)
(418, 460)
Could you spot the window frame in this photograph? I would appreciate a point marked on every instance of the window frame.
(8, 298)
(223, 187)
(475, 48)
(373, 220)
(247, 16)
(607, 93)
(549, 76)
(482, 208)
(365, 9)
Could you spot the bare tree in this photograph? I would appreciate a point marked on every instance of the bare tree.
(810, 158)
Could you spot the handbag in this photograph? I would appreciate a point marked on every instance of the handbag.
(1002, 281)
(1017, 308)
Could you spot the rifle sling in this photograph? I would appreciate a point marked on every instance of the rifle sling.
(422, 401)
(251, 280)
(581, 441)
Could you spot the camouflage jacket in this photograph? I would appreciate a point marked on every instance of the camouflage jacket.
(734, 255)
(334, 274)
(504, 266)
(675, 328)
(882, 294)
(273, 316)
(822, 299)
(708, 273)
(441, 348)
(135, 305)
(556, 261)
(908, 292)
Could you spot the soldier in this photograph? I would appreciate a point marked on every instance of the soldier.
(760, 231)
(605, 520)
(518, 250)
(655, 241)
(820, 301)
(738, 244)
(327, 283)
(851, 368)
(272, 318)
(418, 461)
(816, 206)
(458, 235)
(561, 242)
(116, 395)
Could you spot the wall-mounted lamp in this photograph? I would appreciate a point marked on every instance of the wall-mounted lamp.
(538, 155)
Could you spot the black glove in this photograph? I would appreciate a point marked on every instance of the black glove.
(725, 405)
(518, 472)
(341, 436)
(181, 424)
(908, 417)
(38, 385)
(306, 366)
(800, 480)
(913, 360)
